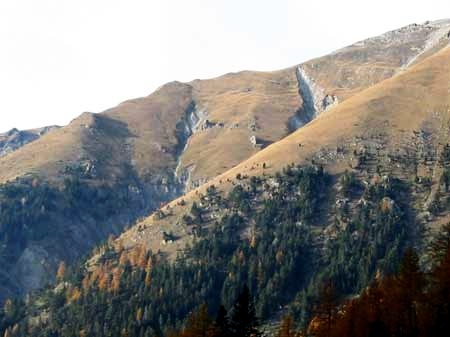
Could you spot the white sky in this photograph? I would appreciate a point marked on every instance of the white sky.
(59, 58)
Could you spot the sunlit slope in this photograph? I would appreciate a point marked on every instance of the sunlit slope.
(398, 126)
(365, 63)
(188, 123)
(87, 139)
(151, 150)
(187, 133)
(392, 110)
(238, 107)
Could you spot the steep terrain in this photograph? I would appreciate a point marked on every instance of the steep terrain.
(368, 177)
(150, 150)
(365, 63)
(397, 127)
(208, 126)
(15, 139)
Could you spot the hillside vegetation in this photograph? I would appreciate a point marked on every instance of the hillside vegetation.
(277, 180)
(398, 127)
(265, 233)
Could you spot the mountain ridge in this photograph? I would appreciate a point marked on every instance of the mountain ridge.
(308, 143)
(151, 150)
(316, 207)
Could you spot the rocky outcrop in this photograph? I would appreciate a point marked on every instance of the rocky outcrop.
(34, 268)
(440, 34)
(256, 142)
(15, 139)
(193, 120)
(207, 124)
(315, 100)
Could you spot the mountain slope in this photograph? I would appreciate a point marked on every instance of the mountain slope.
(355, 199)
(365, 63)
(15, 139)
(219, 116)
(400, 125)
(150, 150)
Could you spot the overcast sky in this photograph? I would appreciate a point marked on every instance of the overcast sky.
(59, 58)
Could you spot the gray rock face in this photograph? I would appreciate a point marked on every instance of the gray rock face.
(207, 124)
(315, 100)
(328, 101)
(416, 39)
(193, 121)
(33, 268)
(14, 139)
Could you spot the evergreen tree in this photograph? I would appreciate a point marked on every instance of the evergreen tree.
(410, 284)
(222, 323)
(440, 246)
(439, 295)
(244, 322)
(196, 212)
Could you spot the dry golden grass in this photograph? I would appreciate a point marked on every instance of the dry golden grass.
(48, 154)
(404, 101)
(151, 122)
(396, 107)
(265, 99)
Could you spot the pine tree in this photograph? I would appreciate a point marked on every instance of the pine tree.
(411, 282)
(196, 212)
(439, 296)
(244, 322)
(440, 246)
(222, 323)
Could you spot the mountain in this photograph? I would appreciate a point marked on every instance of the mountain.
(74, 186)
(396, 127)
(206, 117)
(15, 139)
(335, 204)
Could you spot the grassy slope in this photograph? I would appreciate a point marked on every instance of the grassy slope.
(140, 134)
(265, 99)
(396, 108)
(365, 63)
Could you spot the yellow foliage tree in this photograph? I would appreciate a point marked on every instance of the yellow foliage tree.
(61, 272)
(139, 314)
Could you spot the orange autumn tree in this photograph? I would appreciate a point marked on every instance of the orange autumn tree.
(287, 328)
